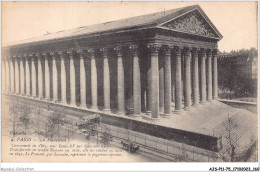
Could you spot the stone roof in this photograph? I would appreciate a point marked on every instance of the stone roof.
(123, 25)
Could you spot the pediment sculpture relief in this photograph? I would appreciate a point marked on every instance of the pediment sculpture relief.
(192, 23)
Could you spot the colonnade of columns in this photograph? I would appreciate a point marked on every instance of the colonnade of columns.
(25, 74)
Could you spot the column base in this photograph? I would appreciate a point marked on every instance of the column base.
(187, 108)
(209, 100)
(145, 117)
(107, 110)
(203, 103)
(178, 111)
(83, 106)
(215, 98)
(55, 101)
(94, 108)
(47, 99)
(35, 97)
(73, 104)
(136, 115)
(195, 104)
(161, 110)
(40, 98)
(120, 113)
(148, 112)
(167, 114)
(64, 103)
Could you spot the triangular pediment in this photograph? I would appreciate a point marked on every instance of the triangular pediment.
(193, 23)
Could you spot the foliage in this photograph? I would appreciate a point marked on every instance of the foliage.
(89, 126)
(55, 120)
(19, 116)
(106, 137)
(232, 70)
(231, 151)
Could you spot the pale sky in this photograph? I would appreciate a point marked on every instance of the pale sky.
(236, 21)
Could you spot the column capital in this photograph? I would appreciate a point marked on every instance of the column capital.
(202, 50)
(38, 55)
(32, 58)
(91, 51)
(178, 49)
(215, 51)
(154, 48)
(52, 53)
(133, 48)
(14, 57)
(118, 50)
(60, 52)
(195, 50)
(104, 51)
(209, 51)
(19, 56)
(71, 53)
(45, 55)
(7, 57)
(167, 49)
(187, 48)
(81, 53)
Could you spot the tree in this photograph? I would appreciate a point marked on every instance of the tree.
(231, 151)
(18, 117)
(37, 119)
(90, 126)
(55, 120)
(106, 137)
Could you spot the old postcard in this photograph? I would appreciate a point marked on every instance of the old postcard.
(129, 82)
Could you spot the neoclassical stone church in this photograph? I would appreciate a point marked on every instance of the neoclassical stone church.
(144, 70)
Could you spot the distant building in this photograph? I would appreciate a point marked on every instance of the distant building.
(243, 62)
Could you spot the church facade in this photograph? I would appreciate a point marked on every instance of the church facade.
(147, 66)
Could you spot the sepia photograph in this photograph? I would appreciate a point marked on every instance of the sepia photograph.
(129, 81)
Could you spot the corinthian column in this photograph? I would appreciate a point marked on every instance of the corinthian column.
(120, 82)
(93, 80)
(167, 80)
(17, 76)
(7, 65)
(63, 78)
(209, 74)
(40, 86)
(3, 75)
(106, 82)
(187, 98)
(33, 76)
(178, 82)
(203, 76)
(21, 75)
(154, 102)
(54, 78)
(12, 75)
(148, 94)
(82, 80)
(161, 86)
(195, 78)
(215, 75)
(47, 77)
(28, 79)
(136, 81)
(72, 80)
